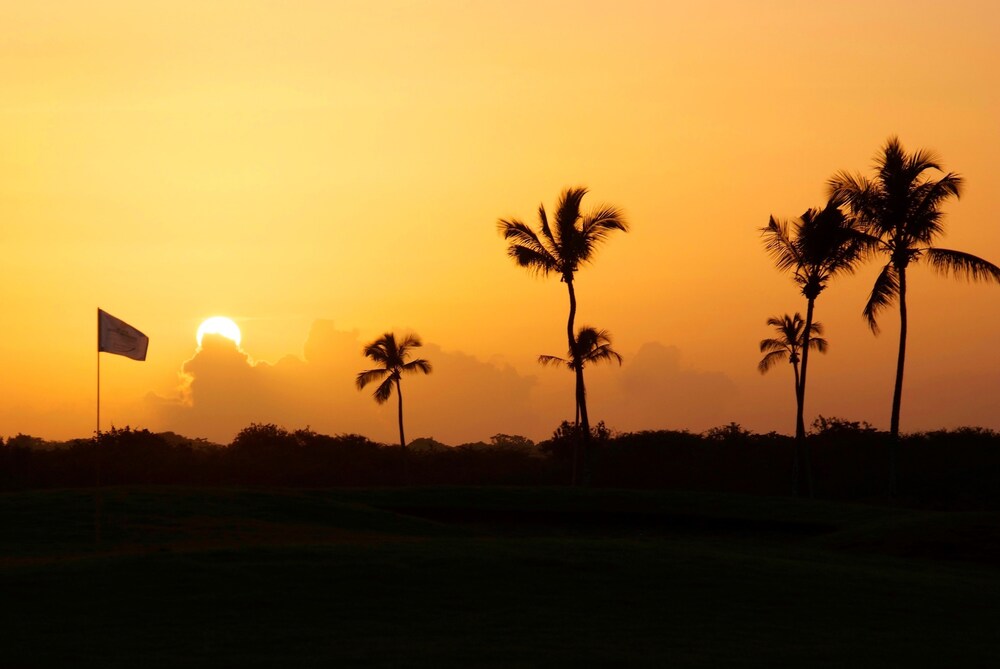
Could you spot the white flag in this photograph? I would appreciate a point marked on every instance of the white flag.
(118, 337)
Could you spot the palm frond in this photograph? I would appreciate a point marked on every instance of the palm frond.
(964, 265)
(378, 351)
(772, 344)
(778, 244)
(920, 160)
(526, 248)
(548, 360)
(786, 323)
(384, 391)
(924, 222)
(891, 158)
(771, 359)
(568, 212)
(533, 261)
(410, 340)
(546, 230)
(605, 219)
(819, 344)
(863, 197)
(418, 365)
(368, 376)
(605, 353)
(829, 242)
(595, 228)
(884, 293)
(593, 345)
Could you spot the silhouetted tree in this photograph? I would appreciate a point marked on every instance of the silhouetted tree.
(591, 345)
(834, 426)
(391, 356)
(901, 206)
(734, 433)
(262, 437)
(561, 249)
(788, 344)
(815, 247)
(514, 442)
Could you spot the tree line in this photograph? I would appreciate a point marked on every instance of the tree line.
(895, 215)
(948, 469)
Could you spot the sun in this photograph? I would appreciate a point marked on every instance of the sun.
(220, 325)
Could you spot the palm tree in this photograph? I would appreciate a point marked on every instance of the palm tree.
(392, 360)
(562, 249)
(815, 247)
(592, 345)
(901, 207)
(788, 343)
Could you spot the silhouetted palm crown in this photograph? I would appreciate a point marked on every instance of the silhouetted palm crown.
(561, 248)
(592, 345)
(392, 358)
(815, 247)
(901, 207)
(788, 344)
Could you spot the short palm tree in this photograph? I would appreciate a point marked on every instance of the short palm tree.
(901, 207)
(592, 345)
(561, 249)
(788, 343)
(391, 356)
(817, 246)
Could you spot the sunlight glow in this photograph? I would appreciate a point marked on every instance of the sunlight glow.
(220, 325)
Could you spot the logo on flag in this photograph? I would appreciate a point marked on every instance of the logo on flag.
(118, 337)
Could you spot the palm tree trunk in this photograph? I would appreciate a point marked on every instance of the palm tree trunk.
(802, 448)
(399, 396)
(795, 370)
(796, 465)
(897, 393)
(575, 476)
(581, 399)
(581, 451)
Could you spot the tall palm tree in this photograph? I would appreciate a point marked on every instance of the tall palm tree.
(391, 356)
(901, 206)
(817, 246)
(788, 344)
(562, 249)
(592, 345)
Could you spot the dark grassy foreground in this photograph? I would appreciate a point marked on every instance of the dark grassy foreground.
(491, 577)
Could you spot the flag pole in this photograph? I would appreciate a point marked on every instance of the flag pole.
(99, 498)
(98, 372)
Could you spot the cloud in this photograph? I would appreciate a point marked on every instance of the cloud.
(464, 399)
(653, 390)
(223, 390)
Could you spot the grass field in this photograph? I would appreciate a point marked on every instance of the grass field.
(490, 577)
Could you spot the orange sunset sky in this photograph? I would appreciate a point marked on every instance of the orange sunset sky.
(322, 172)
